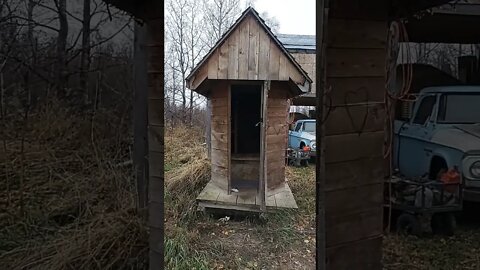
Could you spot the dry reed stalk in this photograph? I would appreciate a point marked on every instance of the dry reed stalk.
(79, 206)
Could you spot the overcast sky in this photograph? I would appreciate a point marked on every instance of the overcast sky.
(294, 16)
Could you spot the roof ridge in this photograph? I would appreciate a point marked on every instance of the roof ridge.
(250, 10)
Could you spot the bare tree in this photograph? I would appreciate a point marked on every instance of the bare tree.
(85, 55)
(62, 47)
(271, 22)
(219, 16)
(195, 46)
(185, 42)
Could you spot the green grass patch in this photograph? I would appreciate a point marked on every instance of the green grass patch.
(179, 255)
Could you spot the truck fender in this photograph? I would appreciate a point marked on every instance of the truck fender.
(438, 157)
(302, 141)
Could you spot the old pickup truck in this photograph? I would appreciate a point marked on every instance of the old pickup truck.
(439, 131)
(303, 134)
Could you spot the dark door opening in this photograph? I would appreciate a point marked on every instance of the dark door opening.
(246, 101)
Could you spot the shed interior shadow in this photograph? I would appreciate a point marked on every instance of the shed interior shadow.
(245, 136)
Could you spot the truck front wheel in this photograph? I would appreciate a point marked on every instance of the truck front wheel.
(437, 166)
(443, 224)
(408, 224)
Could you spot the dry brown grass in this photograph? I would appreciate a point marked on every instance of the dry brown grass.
(65, 204)
(187, 172)
(202, 242)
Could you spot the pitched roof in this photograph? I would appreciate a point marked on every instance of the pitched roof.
(249, 11)
(298, 42)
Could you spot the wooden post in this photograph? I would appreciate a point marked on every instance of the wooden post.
(140, 146)
(155, 141)
(322, 18)
(263, 143)
(229, 141)
(208, 128)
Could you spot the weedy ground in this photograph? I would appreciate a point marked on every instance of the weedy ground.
(461, 251)
(285, 240)
(195, 240)
(67, 201)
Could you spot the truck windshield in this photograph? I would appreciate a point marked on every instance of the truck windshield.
(459, 109)
(309, 127)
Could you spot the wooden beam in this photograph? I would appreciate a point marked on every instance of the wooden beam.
(229, 138)
(263, 143)
(322, 23)
(208, 129)
(155, 142)
(140, 114)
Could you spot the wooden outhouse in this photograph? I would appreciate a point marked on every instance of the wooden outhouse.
(248, 76)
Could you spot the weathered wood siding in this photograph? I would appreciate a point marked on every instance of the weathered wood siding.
(220, 134)
(307, 62)
(355, 134)
(276, 135)
(249, 53)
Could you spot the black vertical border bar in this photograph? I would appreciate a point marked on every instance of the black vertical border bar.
(321, 31)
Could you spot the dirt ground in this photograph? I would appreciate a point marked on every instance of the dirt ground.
(461, 251)
(195, 240)
(285, 240)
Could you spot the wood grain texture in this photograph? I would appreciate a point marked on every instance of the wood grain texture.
(213, 65)
(274, 62)
(355, 62)
(357, 34)
(223, 62)
(355, 119)
(233, 54)
(359, 10)
(349, 147)
(243, 48)
(254, 49)
(248, 53)
(354, 173)
(353, 157)
(356, 89)
(339, 229)
(283, 72)
(343, 202)
(263, 56)
(362, 255)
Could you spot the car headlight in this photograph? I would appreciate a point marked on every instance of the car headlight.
(475, 169)
(313, 145)
(471, 167)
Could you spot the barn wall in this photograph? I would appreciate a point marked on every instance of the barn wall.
(276, 135)
(354, 133)
(249, 53)
(220, 133)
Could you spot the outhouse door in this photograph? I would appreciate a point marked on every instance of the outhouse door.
(247, 137)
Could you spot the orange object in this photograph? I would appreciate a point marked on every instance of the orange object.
(450, 177)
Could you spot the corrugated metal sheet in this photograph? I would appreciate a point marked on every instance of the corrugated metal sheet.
(297, 42)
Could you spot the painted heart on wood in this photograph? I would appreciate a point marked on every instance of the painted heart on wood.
(355, 94)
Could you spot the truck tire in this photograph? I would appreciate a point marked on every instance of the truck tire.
(304, 162)
(444, 224)
(437, 165)
(408, 224)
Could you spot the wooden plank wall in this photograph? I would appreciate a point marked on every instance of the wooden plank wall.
(354, 133)
(307, 62)
(248, 53)
(276, 135)
(220, 133)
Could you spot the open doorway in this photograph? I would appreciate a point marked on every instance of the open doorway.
(246, 101)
